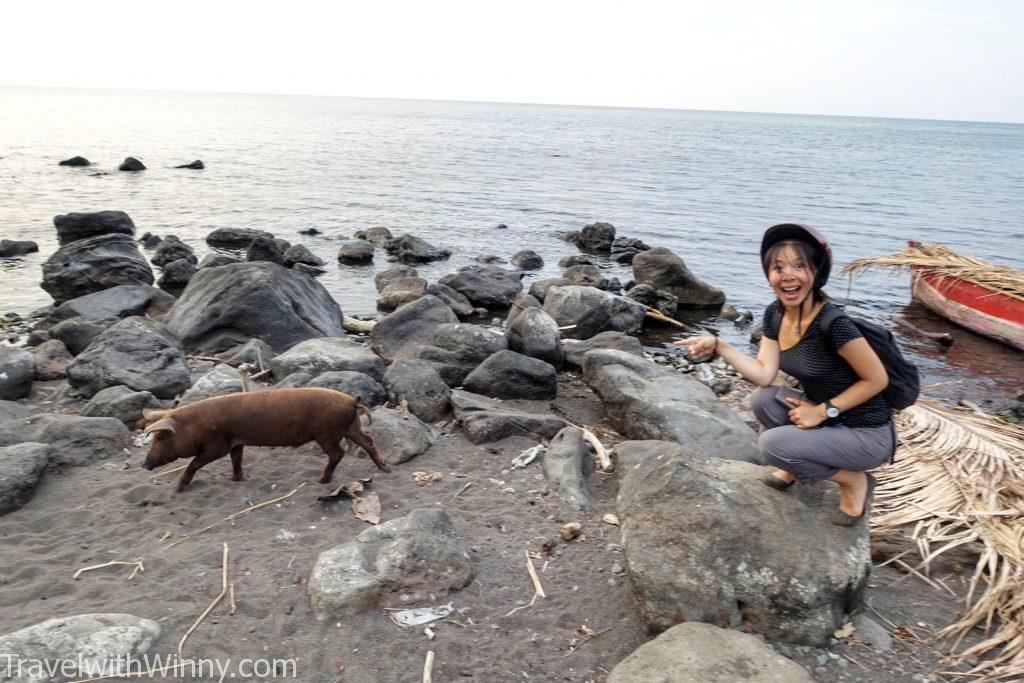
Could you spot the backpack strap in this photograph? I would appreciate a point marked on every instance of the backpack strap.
(829, 316)
(775, 317)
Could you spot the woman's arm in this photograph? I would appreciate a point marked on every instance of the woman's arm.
(761, 370)
(872, 380)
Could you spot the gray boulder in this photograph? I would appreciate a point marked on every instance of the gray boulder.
(655, 298)
(17, 368)
(527, 259)
(253, 351)
(508, 374)
(172, 249)
(121, 403)
(226, 306)
(700, 652)
(327, 354)
(411, 248)
(520, 304)
(402, 333)
(299, 253)
(21, 468)
(414, 559)
(400, 292)
(534, 333)
(454, 350)
(575, 349)
(418, 384)
(75, 161)
(777, 565)
(265, 249)
(220, 381)
(460, 305)
(214, 260)
(196, 165)
(592, 311)
(539, 289)
(131, 164)
(399, 435)
(375, 236)
(647, 401)
(119, 302)
(176, 275)
(235, 238)
(77, 333)
(486, 286)
(662, 269)
(75, 440)
(94, 264)
(589, 276)
(9, 248)
(596, 237)
(575, 260)
(369, 390)
(356, 251)
(296, 379)
(52, 359)
(386, 277)
(79, 226)
(567, 464)
(485, 420)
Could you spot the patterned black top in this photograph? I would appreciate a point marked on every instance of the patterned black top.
(822, 372)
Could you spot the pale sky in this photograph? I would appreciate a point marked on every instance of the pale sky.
(916, 58)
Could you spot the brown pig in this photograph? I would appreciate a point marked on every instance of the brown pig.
(212, 428)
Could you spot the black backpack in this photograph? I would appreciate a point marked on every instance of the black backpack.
(904, 380)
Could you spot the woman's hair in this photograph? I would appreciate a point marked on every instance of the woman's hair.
(807, 252)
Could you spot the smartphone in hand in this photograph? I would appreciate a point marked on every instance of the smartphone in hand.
(788, 392)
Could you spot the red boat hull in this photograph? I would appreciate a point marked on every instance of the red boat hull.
(979, 309)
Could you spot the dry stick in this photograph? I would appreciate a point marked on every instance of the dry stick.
(160, 474)
(231, 518)
(590, 637)
(880, 614)
(658, 315)
(137, 564)
(537, 588)
(216, 601)
(261, 375)
(428, 667)
(259, 359)
(604, 458)
(352, 325)
(243, 370)
(231, 598)
(464, 487)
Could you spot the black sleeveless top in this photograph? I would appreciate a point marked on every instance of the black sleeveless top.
(821, 371)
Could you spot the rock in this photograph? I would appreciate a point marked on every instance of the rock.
(299, 253)
(100, 641)
(368, 389)
(197, 165)
(456, 349)
(623, 243)
(79, 226)
(625, 256)
(539, 289)
(400, 334)
(131, 164)
(220, 381)
(11, 409)
(21, 467)
(574, 350)
(172, 249)
(37, 337)
(486, 286)
(418, 384)
(701, 652)
(296, 379)
(588, 276)
(721, 387)
(121, 403)
(10, 248)
(484, 420)
(52, 359)
(411, 248)
(534, 333)
(386, 277)
(77, 333)
(400, 292)
(489, 258)
(662, 269)
(592, 311)
(229, 305)
(729, 312)
(596, 237)
(655, 298)
(410, 560)
(527, 259)
(567, 464)
(357, 251)
(94, 264)
(375, 236)
(150, 241)
(756, 332)
(520, 304)
(575, 260)
(508, 374)
(75, 161)
(327, 354)
(305, 268)
(399, 436)
(646, 401)
(121, 301)
(872, 633)
(252, 351)
(235, 238)
(177, 275)
(778, 565)
(309, 231)
(460, 305)
(136, 352)
(264, 249)
(75, 440)
(17, 368)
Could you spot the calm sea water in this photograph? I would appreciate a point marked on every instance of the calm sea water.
(704, 184)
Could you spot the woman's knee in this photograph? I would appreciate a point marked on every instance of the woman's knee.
(763, 404)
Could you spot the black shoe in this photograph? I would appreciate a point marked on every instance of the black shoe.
(776, 483)
(840, 518)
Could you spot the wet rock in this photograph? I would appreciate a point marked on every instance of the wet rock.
(299, 253)
(486, 286)
(215, 260)
(588, 276)
(172, 249)
(120, 302)
(527, 259)
(386, 277)
(418, 384)
(75, 440)
(21, 468)
(235, 238)
(539, 289)
(196, 165)
(252, 352)
(94, 264)
(508, 374)
(575, 260)
(17, 368)
(306, 269)
(664, 302)
(489, 259)
(327, 354)
(368, 389)
(628, 243)
(309, 231)
(460, 305)
(265, 249)
(597, 237)
(79, 226)
(484, 420)
(574, 350)
(534, 333)
(399, 435)
(729, 312)
(402, 333)
(662, 269)
(52, 359)
(375, 236)
(357, 251)
(176, 275)
(400, 292)
(9, 248)
(625, 256)
(131, 164)
(412, 248)
(756, 332)
(220, 381)
(150, 241)
(591, 311)
(121, 403)
(75, 161)
(520, 304)
(567, 464)
(98, 640)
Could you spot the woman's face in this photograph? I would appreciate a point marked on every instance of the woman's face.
(791, 276)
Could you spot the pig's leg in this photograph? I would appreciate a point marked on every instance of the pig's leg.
(208, 455)
(361, 438)
(334, 455)
(236, 462)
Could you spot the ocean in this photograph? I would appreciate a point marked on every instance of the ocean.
(704, 184)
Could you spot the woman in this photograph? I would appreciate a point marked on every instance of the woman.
(843, 424)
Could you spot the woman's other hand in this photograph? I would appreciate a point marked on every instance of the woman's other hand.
(805, 415)
(699, 346)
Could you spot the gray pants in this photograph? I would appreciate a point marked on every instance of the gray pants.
(816, 454)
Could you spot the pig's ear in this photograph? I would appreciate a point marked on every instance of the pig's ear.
(154, 413)
(165, 425)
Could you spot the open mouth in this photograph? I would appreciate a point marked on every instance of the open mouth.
(791, 292)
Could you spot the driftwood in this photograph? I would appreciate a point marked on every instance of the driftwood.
(428, 667)
(360, 326)
(602, 454)
(216, 601)
(137, 564)
(241, 513)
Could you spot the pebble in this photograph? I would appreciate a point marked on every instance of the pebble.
(617, 568)
(611, 582)
(822, 659)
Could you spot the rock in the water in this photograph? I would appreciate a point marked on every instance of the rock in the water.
(662, 269)
(574, 350)
(596, 237)
(226, 306)
(693, 652)
(575, 260)
(402, 333)
(356, 251)
(172, 249)
(21, 467)
(410, 560)
(131, 164)
(17, 368)
(508, 374)
(592, 311)
(94, 264)
(75, 161)
(177, 275)
(327, 354)
(255, 351)
(664, 302)
(778, 566)
(52, 359)
(265, 249)
(368, 389)
(214, 260)
(235, 238)
(77, 333)
(460, 305)
(10, 248)
(520, 304)
(399, 435)
(534, 333)
(121, 301)
(589, 276)
(79, 226)
(197, 165)
(386, 277)
(375, 236)
(220, 381)
(418, 384)
(136, 352)
(150, 241)
(567, 464)
(305, 268)
(489, 258)
(527, 259)
(486, 286)
(484, 420)
(411, 248)
(400, 292)
(647, 401)
(300, 253)
(120, 402)
(75, 440)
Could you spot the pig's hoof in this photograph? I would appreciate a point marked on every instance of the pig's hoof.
(384, 467)
(237, 477)
(323, 480)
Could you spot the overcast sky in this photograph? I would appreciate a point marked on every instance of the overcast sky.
(915, 58)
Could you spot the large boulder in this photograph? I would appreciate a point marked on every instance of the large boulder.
(172, 249)
(77, 333)
(575, 349)
(94, 264)
(701, 652)
(376, 236)
(402, 333)
(10, 248)
(131, 164)
(460, 305)
(75, 161)
(21, 467)
(136, 352)
(596, 237)
(300, 253)
(646, 295)
(226, 306)
(176, 275)
(78, 226)
(17, 368)
(486, 286)
(385, 277)
(400, 292)
(121, 403)
(399, 435)
(265, 249)
(539, 289)
(508, 374)
(412, 249)
(454, 350)
(662, 269)
(52, 359)
(327, 354)
(76, 440)
(590, 311)
(567, 464)
(121, 302)
(356, 251)
(234, 238)
(645, 400)
(414, 559)
(520, 304)
(220, 381)
(485, 420)
(366, 388)
(534, 333)
(527, 259)
(418, 384)
(775, 563)
(589, 276)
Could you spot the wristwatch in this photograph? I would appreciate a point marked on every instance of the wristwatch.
(830, 410)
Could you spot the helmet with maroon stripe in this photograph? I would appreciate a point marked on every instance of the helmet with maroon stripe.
(803, 233)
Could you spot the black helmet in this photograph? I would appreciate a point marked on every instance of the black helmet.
(804, 233)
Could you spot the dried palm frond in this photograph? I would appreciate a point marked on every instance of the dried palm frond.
(959, 479)
(943, 261)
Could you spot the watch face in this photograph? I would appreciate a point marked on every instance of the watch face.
(832, 412)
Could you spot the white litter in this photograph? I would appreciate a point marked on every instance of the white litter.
(527, 456)
(421, 615)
